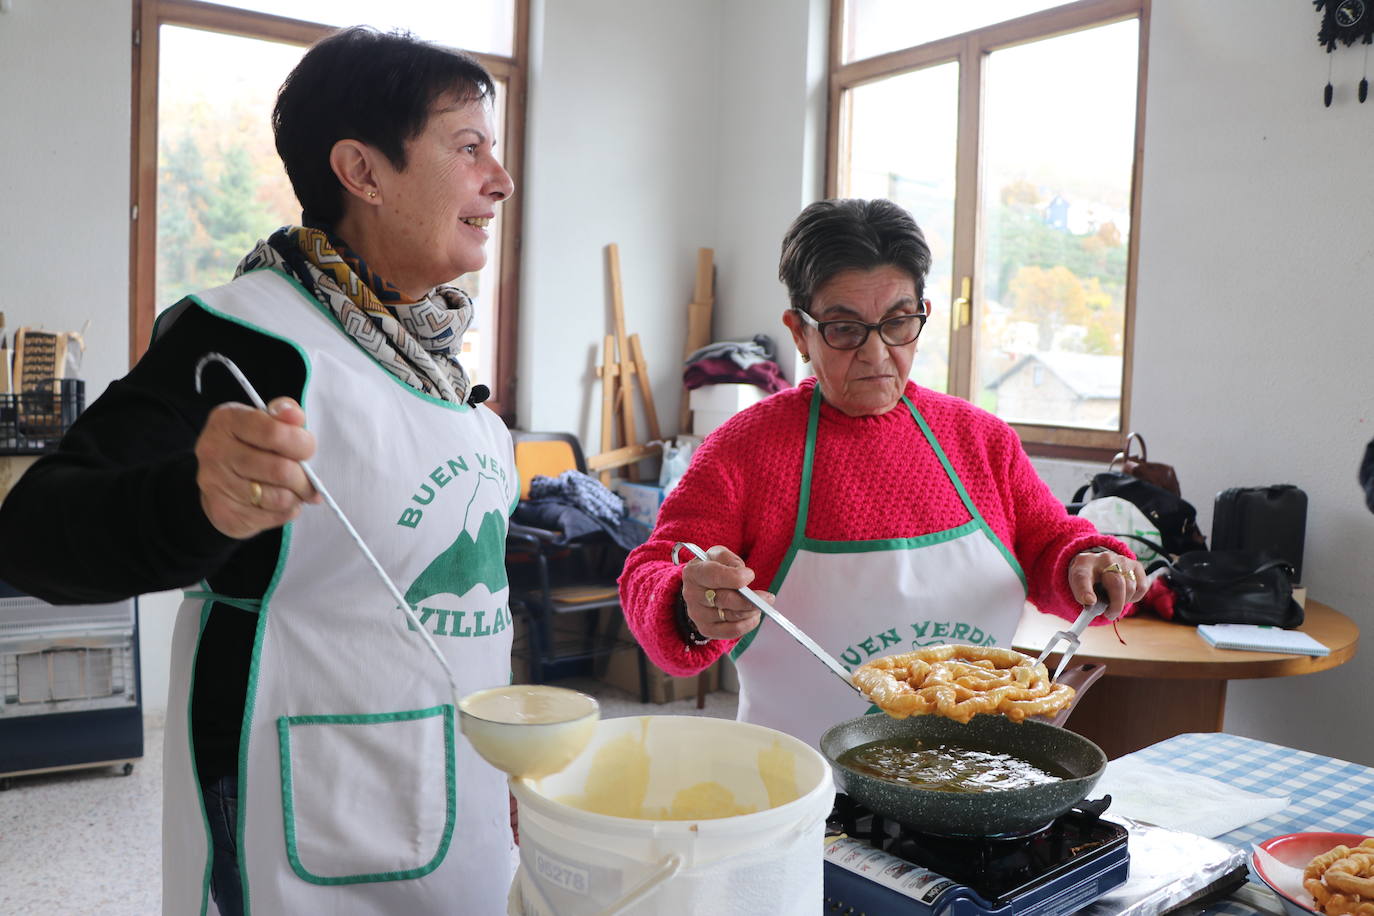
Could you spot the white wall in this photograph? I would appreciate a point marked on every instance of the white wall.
(622, 144)
(771, 155)
(664, 127)
(64, 174)
(1252, 358)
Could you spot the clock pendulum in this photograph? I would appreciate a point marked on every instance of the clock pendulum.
(1345, 22)
(1364, 77)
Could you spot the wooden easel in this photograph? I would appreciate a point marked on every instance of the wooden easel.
(622, 369)
(698, 325)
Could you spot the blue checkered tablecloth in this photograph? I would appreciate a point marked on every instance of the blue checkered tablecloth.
(1325, 794)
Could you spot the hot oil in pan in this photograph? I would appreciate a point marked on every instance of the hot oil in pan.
(947, 767)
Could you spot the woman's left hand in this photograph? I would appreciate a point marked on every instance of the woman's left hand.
(1121, 577)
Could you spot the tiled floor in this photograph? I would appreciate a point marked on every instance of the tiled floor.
(87, 842)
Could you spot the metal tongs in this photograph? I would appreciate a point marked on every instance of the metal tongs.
(769, 611)
(1070, 637)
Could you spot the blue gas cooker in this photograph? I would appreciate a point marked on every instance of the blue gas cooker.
(876, 866)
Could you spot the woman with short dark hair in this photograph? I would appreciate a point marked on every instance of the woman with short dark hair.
(313, 764)
(877, 514)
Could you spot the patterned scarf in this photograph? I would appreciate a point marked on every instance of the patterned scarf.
(418, 342)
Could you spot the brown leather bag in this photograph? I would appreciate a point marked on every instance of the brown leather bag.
(1155, 472)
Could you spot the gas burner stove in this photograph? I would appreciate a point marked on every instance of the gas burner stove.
(876, 865)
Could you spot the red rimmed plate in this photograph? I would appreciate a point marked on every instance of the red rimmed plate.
(1297, 849)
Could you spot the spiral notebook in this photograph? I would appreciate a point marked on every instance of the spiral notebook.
(1260, 639)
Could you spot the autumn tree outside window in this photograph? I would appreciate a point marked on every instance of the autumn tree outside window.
(1012, 131)
(207, 183)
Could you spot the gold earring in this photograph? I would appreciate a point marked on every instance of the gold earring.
(805, 358)
(371, 193)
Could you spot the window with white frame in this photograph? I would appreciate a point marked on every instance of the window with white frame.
(207, 171)
(1011, 131)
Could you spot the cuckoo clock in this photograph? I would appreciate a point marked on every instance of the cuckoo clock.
(1345, 22)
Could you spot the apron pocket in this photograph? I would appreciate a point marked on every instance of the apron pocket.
(368, 797)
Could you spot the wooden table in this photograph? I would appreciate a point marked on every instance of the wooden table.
(1166, 680)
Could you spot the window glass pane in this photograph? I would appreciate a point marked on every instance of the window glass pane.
(902, 138)
(487, 26)
(479, 343)
(220, 184)
(1058, 145)
(877, 26)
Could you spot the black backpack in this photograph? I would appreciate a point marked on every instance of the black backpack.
(1173, 515)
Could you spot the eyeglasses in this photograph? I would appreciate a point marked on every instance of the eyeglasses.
(847, 334)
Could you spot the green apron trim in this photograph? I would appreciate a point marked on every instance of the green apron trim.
(320, 307)
(191, 750)
(963, 495)
(813, 424)
(250, 702)
(813, 420)
(925, 540)
(250, 696)
(253, 327)
(284, 724)
(334, 320)
(800, 541)
(243, 604)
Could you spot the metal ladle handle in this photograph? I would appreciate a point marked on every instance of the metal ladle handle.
(769, 611)
(315, 481)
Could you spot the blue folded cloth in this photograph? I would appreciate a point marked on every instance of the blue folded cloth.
(584, 492)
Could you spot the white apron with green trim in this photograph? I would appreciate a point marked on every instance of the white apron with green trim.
(863, 599)
(357, 792)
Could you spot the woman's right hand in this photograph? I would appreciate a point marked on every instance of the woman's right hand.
(249, 471)
(710, 589)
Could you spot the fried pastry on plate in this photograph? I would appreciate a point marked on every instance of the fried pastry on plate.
(1341, 880)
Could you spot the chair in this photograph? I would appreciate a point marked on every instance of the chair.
(549, 579)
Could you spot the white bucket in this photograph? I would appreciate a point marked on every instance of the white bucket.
(575, 862)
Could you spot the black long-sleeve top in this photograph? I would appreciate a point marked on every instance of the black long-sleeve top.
(115, 511)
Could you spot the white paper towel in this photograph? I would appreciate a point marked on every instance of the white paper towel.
(1283, 878)
(1181, 801)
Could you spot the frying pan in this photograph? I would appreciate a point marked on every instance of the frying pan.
(969, 813)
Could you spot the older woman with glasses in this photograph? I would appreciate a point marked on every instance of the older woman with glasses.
(878, 515)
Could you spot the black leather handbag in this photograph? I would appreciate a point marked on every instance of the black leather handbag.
(1173, 516)
(1234, 586)
(1262, 518)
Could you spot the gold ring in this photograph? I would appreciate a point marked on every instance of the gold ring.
(710, 597)
(255, 493)
(721, 612)
(1116, 568)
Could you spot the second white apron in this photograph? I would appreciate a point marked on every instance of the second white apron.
(862, 599)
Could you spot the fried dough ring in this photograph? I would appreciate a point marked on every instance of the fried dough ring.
(1352, 875)
(1318, 866)
(1345, 905)
(960, 682)
(1341, 880)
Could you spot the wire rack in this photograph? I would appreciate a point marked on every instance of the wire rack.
(33, 421)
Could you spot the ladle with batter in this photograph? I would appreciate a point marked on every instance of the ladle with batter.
(528, 730)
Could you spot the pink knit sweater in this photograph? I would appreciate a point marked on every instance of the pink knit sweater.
(874, 477)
